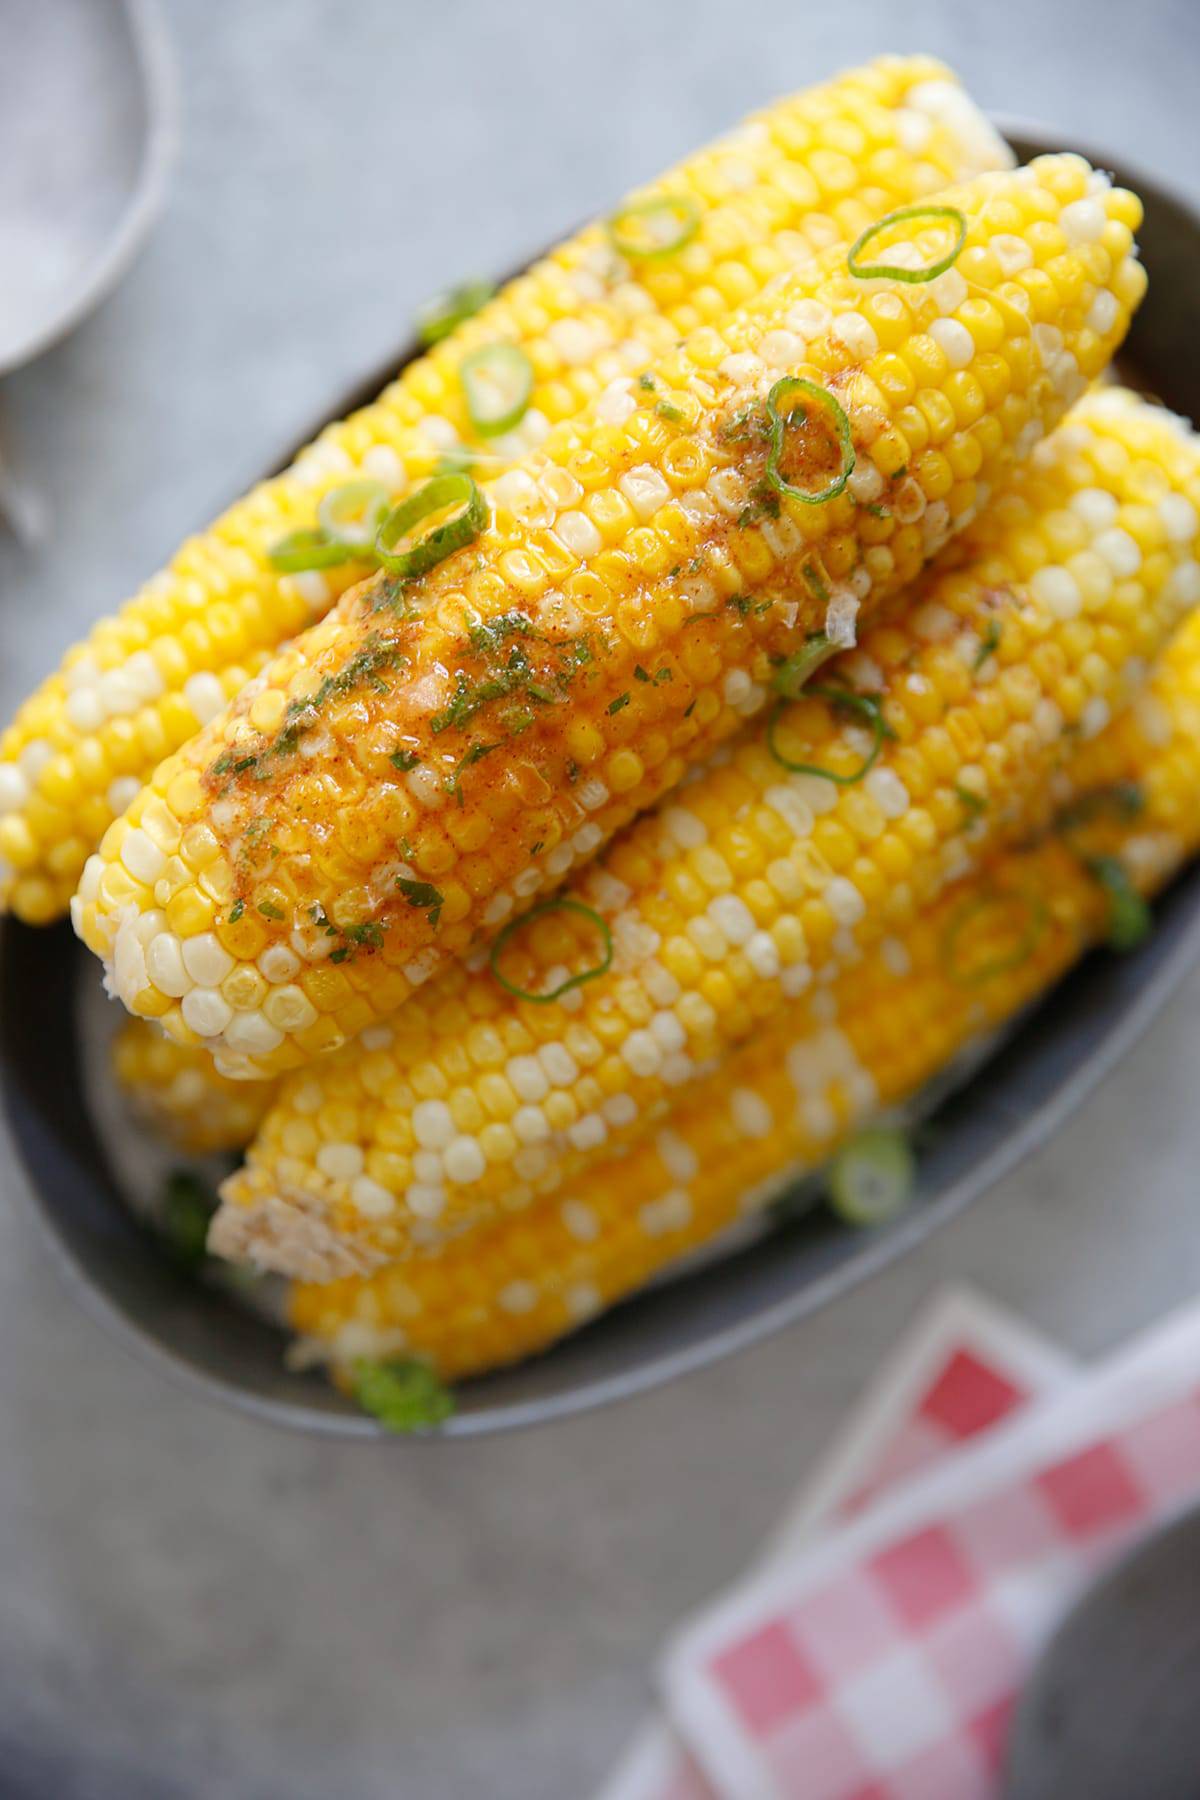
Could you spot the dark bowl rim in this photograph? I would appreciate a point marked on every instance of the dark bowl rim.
(1029, 138)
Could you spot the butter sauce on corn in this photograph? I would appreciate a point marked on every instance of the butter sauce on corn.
(750, 882)
(252, 898)
(808, 171)
(780, 1105)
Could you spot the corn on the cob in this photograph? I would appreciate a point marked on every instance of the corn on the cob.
(780, 1105)
(813, 169)
(730, 900)
(177, 1094)
(271, 840)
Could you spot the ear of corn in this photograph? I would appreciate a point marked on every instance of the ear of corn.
(752, 881)
(781, 1104)
(489, 718)
(176, 1093)
(813, 169)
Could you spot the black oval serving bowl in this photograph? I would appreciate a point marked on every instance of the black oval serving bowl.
(1008, 1107)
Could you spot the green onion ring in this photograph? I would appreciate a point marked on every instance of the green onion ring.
(677, 207)
(790, 676)
(783, 390)
(434, 496)
(352, 514)
(1129, 918)
(865, 704)
(891, 271)
(498, 383)
(573, 981)
(872, 1177)
(445, 312)
(999, 965)
(303, 550)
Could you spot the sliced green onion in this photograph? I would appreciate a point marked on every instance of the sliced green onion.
(866, 705)
(784, 390)
(791, 675)
(650, 228)
(302, 550)
(892, 271)
(187, 1211)
(445, 312)
(1129, 918)
(463, 526)
(573, 981)
(352, 514)
(498, 383)
(871, 1179)
(971, 920)
(403, 1396)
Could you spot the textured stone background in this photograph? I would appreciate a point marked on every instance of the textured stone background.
(191, 1605)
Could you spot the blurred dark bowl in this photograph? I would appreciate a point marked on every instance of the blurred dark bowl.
(1110, 1710)
(1012, 1105)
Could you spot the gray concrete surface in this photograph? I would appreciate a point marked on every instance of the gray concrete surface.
(192, 1606)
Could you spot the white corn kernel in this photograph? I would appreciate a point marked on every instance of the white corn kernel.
(464, 1160)
(954, 341)
(252, 1034)
(165, 967)
(206, 959)
(433, 1125)
(371, 1199)
(341, 1162)
(206, 1012)
(205, 696)
(289, 1009)
(142, 857)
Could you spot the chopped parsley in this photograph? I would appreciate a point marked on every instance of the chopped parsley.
(515, 675)
(671, 414)
(988, 644)
(404, 760)
(476, 753)
(820, 592)
(973, 805)
(422, 895)
(321, 920)
(490, 634)
(370, 932)
(269, 910)
(621, 701)
(366, 665)
(747, 425)
(236, 911)
(1121, 799)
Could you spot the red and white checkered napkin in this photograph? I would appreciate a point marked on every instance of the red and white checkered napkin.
(882, 1663)
(965, 1367)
